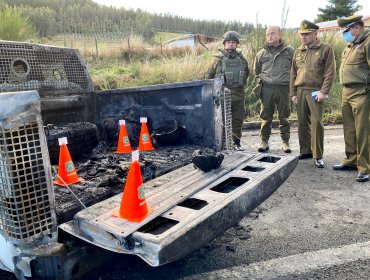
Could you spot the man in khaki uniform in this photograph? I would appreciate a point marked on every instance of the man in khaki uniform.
(232, 64)
(272, 70)
(312, 74)
(355, 77)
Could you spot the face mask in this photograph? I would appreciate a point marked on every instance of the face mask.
(347, 36)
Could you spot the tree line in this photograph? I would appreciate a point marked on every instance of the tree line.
(87, 18)
(52, 17)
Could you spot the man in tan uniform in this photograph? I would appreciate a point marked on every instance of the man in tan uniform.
(355, 77)
(311, 76)
(233, 66)
(272, 70)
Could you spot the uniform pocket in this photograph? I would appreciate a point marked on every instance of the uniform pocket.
(357, 57)
(229, 77)
(299, 62)
(242, 78)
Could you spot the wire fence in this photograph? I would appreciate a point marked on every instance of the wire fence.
(100, 45)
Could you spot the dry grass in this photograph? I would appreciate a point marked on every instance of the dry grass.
(119, 66)
(134, 46)
(173, 69)
(102, 49)
(159, 69)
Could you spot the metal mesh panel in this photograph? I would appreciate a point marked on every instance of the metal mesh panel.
(43, 68)
(25, 204)
(227, 137)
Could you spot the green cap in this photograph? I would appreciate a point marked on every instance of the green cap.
(307, 27)
(349, 21)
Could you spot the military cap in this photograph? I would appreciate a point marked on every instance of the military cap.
(349, 21)
(307, 27)
(231, 36)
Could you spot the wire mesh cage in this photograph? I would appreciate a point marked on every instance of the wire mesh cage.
(27, 209)
(227, 137)
(47, 69)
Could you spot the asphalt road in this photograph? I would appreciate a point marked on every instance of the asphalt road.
(315, 226)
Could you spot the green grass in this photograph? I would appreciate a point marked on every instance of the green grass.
(13, 26)
(120, 74)
(161, 37)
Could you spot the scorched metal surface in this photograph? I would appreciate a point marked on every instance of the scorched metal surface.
(105, 172)
(190, 207)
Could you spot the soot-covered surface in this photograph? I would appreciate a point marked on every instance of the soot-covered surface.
(104, 174)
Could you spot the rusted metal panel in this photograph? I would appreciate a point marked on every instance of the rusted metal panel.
(58, 74)
(197, 106)
(47, 69)
(27, 209)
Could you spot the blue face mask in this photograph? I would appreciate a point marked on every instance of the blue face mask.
(347, 36)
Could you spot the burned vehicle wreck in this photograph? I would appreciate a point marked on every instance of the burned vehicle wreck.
(45, 233)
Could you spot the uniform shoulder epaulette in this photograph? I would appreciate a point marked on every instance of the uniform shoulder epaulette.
(240, 54)
(219, 55)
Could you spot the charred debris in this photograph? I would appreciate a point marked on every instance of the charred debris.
(104, 171)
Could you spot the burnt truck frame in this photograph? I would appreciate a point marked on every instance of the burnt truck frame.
(40, 85)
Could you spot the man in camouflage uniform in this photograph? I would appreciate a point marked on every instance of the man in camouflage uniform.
(232, 64)
(355, 78)
(272, 70)
(311, 77)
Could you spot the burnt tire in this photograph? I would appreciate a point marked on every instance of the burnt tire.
(82, 138)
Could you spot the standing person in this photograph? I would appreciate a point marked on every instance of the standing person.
(272, 70)
(312, 74)
(354, 76)
(232, 64)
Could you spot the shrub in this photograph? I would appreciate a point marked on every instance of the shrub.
(13, 26)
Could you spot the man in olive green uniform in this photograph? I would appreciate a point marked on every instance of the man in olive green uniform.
(272, 70)
(232, 64)
(311, 76)
(355, 77)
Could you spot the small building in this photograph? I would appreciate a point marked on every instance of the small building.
(332, 25)
(190, 40)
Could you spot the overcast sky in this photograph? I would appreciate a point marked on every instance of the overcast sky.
(268, 12)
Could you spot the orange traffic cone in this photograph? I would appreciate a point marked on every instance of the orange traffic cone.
(133, 206)
(67, 174)
(145, 143)
(123, 140)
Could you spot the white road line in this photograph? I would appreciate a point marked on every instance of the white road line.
(294, 264)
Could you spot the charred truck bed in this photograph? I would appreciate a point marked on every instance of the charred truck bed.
(46, 93)
(190, 207)
(105, 172)
(89, 119)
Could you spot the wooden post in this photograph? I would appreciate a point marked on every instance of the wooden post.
(160, 41)
(96, 47)
(129, 50)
